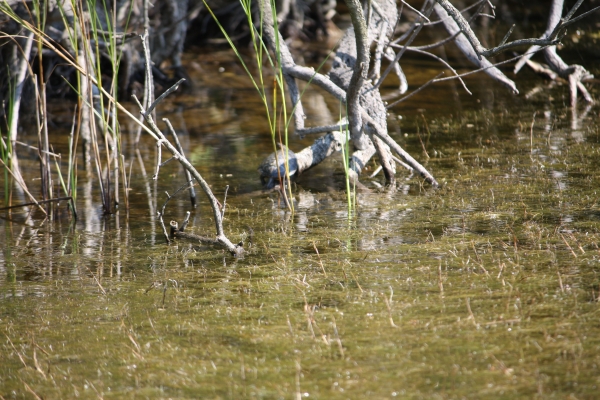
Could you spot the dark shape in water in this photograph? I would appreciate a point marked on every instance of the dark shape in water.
(274, 167)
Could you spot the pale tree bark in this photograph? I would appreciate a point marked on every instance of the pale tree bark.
(347, 82)
(575, 74)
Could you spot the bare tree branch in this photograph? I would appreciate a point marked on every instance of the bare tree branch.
(359, 74)
(463, 41)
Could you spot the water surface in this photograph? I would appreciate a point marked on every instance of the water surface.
(486, 287)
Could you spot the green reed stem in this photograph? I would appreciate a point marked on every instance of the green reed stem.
(350, 195)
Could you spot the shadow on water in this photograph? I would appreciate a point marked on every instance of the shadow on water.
(487, 287)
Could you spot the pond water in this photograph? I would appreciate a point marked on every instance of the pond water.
(486, 287)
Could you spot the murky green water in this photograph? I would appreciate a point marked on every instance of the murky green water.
(486, 288)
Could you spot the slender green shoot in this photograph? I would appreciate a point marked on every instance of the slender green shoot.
(6, 156)
(271, 107)
(72, 172)
(350, 195)
(6, 150)
(74, 134)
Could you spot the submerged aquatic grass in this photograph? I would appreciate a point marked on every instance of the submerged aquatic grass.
(487, 287)
(400, 311)
(446, 293)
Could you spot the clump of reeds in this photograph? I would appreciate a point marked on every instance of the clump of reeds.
(92, 36)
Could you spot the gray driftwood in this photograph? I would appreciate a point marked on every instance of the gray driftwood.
(327, 145)
(368, 124)
(467, 49)
(575, 73)
(177, 232)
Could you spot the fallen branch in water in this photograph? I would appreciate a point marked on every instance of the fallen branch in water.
(161, 141)
(368, 124)
(178, 233)
(575, 74)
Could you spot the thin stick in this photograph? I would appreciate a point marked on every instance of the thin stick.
(158, 162)
(440, 281)
(560, 282)
(319, 256)
(161, 213)
(97, 282)
(402, 163)
(185, 222)
(321, 129)
(162, 222)
(125, 182)
(357, 284)
(20, 82)
(419, 13)
(433, 45)
(377, 170)
(408, 96)
(446, 64)
(39, 202)
(188, 176)
(471, 316)
(337, 337)
(417, 29)
(35, 202)
(389, 308)
(37, 149)
(179, 234)
(30, 390)
(162, 96)
(148, 78)
(479, 259)
(379, 51)
(37, 364)
(463, 25)
(531, 133)
(164, 293)
(16, 351)
(224, 202)
(298, 393)
(510, 31)
(565, 240)
(421, 140)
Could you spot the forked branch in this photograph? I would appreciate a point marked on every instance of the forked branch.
(550, 39)
(179, 156)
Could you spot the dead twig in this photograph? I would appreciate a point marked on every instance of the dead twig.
(161, 213)
(337, 337)
(69, 198)
(389, 309)
(319, 256)
(568, 246)
(221, 238)
(188, 175)
(471, 316)
(97, 281)
(16, 351)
